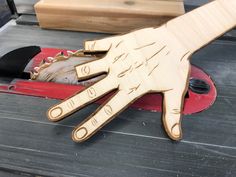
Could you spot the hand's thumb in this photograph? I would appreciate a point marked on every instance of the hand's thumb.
(171, 117)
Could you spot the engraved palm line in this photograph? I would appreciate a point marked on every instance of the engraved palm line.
(137, 64)
(91, 91)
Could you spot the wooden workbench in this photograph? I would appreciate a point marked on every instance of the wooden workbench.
(134, 144)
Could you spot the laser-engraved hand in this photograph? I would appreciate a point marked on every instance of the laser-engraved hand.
(144, 61)
(140, 62)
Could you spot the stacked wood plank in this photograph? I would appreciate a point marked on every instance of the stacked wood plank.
(107, 16)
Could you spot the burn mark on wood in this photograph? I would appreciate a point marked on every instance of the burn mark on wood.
(152, 70)
(118, 57)
(91, 92)
(184, 55)
(70, 104)
(94, 121)
(134, 89)
(138, 65)
(126, 56)
(147, 45)
(124, 72)
(156, 53)
(85, 70)
(108, 110)
(129, 3)
(119, 43)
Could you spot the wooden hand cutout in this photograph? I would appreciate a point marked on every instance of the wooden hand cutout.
(144, 61)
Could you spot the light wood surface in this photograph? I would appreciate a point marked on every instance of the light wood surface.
(201, 26)
(117, 16)
(143, 61)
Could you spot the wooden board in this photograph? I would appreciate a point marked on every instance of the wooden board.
(27, 6)
(106, 16)
(134, 145)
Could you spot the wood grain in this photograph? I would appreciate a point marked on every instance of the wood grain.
(106, 16)
(204, 24)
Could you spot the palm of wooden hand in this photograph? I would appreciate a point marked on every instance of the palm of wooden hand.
(144, 61)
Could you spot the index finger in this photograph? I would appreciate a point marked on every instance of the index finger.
(100, 45)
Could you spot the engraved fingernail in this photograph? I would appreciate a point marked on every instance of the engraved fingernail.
(91, 92)
(108, 110)
(85, 70)
(176, 131)
(81, 133)
(56, 112)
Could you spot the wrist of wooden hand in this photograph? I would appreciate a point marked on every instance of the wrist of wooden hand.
(230, 7)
